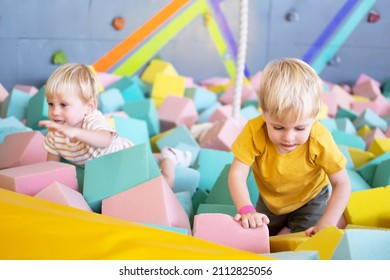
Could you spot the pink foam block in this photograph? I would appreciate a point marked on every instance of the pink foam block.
(227, 96)
(367, 89)
(364, 77)
(31, 179)
(224, 112)
(107, 79)
(3, 93)
(61, 194)
(223, 229)
(344, 98)
(221, 136)
(381, 106)
(330, 99)
(31, 90)
(369, 137)
(177, 111)
(22, 148)
(255, 80)
(214, 81)
(152, 202)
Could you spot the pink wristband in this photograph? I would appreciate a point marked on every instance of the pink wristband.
(246, 209)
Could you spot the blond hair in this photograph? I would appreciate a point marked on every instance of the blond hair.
(73, 79)
(290, 88)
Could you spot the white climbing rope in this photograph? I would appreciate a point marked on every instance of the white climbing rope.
(240, 64)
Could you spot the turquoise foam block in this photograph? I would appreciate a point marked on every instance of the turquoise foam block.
(116, 172)
(205, 114)
(346, 139)
(370, 118)
(11, 125)
(186, 179)
(345, 151)
(357, 182)
(111, 101)
(346, 113)
(133, 129)
(217, 208)
(381, 176)
(144, 87)
(363, 244)
(367, 170)
(220, 194)
(198, 198)
(168, 228)
(210, 164)
(330, 124)
(37, 109)
(144, 110)
(295, 255)
(185, 201)
(346, 125)
(386, 88)
(130, 91)
(179, 134)
(202, 98)
(15, 105)
(249, 112)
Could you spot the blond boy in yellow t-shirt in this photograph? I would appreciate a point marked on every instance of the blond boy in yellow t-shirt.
(293, 156)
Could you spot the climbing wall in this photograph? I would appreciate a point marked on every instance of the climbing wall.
(32, 31)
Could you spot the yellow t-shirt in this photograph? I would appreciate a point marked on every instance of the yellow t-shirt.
(288, 181)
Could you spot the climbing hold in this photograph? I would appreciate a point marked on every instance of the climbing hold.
(118, 23)
(292, 16)
(373, 17)
(59, 58)
(206, 18)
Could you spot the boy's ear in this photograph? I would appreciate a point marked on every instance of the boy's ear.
(92, 104)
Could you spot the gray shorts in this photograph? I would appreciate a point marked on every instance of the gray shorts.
(299, 220)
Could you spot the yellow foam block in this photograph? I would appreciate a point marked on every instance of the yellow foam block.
(323, 113)
(154, 139)
(364, 227)
(357, 98)
(165, 85)
(157, 66)
(221, 87)
(43, 230)
(379, 146)
(369, 208)
(325, 242)
(365, 129)
(286, 242)
(359, 157)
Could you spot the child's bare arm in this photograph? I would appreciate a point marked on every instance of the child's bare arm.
(341, 191)
(95, 138)
(239, 191)
(53, 157)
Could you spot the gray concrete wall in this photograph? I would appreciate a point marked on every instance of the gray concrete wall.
(32, 30)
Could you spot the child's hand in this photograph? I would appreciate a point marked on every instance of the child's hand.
(252, 219)
(53, 126)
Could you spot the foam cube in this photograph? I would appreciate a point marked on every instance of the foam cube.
(175, 111)
(359, 157)
(150, 202)
(347, 139)
(216, 84)
(369, 208)
(367, 88)
(198, 198)
(295, 255)
(363, 244)
(186, 179)
(357, 182)
(227, 96)
(371, 119)
(107, 79)
(3, 94)
(206, 113)
(287, 242)
(217, 208)
(346, 125)
(155, 67)
(370, 136)
(15, 105)
(22, 148)
(225, 112)
(382, 175)
(222, 135)
(325, 242)
(11, 125)
(212, 227)
(31, 179)
(367, 170)
(111, 100)
(346, 113)
(130, 91)
(165, 85)
(37, 109)
(144, 110)
(175, 136)
(61, 194)
(210, 164)
(185, 201)
(131, 167)
(379, 146)
(202, 98)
